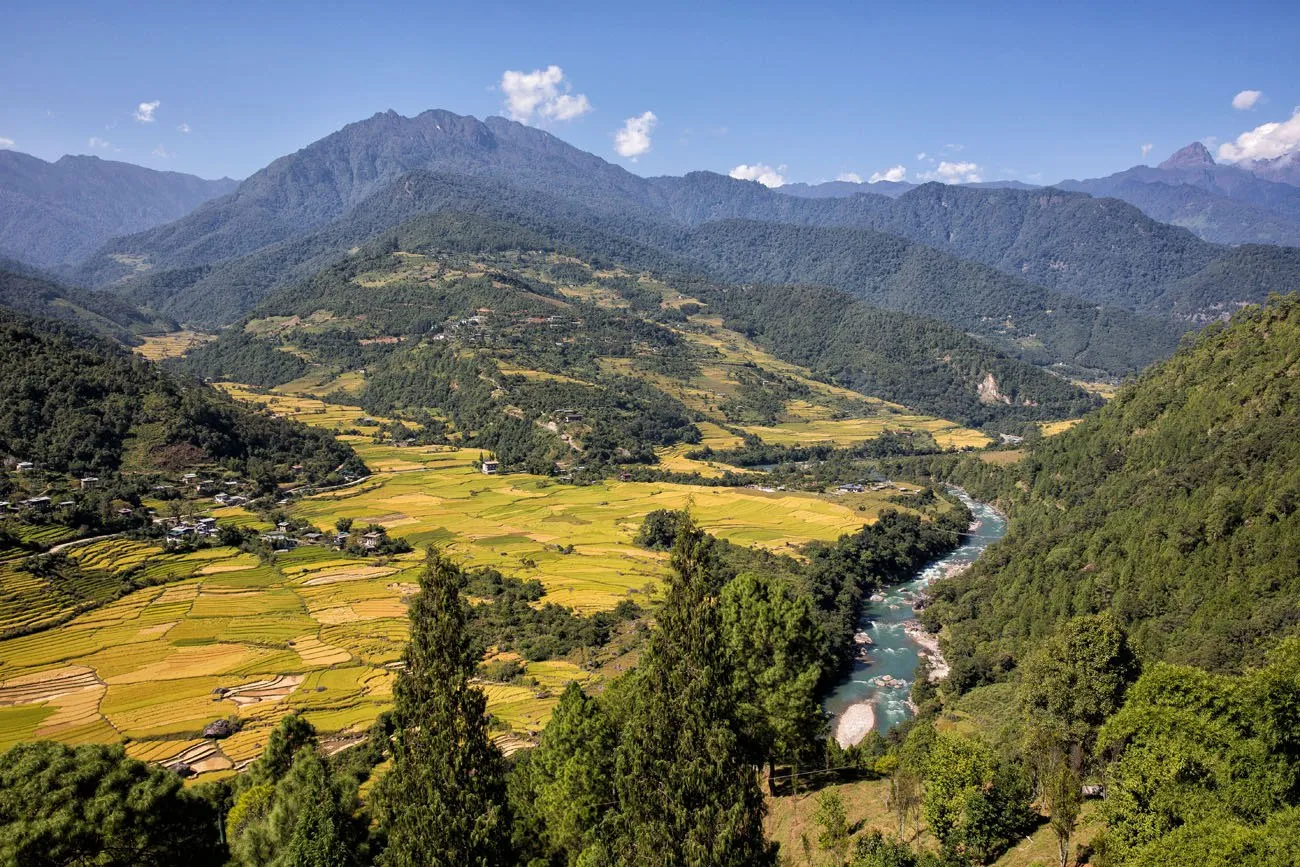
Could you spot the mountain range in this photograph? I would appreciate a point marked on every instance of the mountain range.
(58, 213)
(1252, 203)
(1087, 283)
(1119, 278)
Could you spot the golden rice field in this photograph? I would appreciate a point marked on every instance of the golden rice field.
(845, 432)
(159, 346)
(1052, 428)
(315, 631)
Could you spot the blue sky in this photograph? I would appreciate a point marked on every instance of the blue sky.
(1037, 91)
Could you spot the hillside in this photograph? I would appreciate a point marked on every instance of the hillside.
(1175, 507)
(1020, 318)
(349, 186)
(674, 341)
(76, 403)
(28, 291)
(58, 213)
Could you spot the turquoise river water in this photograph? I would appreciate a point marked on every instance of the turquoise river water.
(881, 679)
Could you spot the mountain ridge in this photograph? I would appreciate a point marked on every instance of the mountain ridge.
(55, 214)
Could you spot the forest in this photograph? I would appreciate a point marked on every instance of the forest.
(1176, 507)
(76, 403)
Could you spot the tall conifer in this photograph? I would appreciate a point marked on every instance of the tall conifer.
(443, 802)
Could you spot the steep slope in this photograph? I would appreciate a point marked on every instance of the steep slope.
(1024, 320)
(1177, 506)
(58, 213)
(1021, 318)
(74, 402)
(302, 192)
(28, 291)
(1284, 169)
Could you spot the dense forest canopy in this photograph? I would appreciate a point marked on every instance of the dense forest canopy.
(27, 290)
(75, 402)
(1176, 506)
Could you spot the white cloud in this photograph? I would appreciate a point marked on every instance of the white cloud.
(1246, 100)
(1264, 142)
(849, 177)
(893, 174)
(954, 148)
(184, 128)
(97, 143)
(6, 143)
(633, 139)
(144, 111)
(162, 153)
(1146, 148)
(761, 172)
(922, 156)
(542, 92)
(955, 173)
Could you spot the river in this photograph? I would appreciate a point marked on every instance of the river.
(875, 693)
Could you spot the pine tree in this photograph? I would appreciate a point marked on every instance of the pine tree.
(687, 796)
(561, 792)
(773, 647)
(443, 802)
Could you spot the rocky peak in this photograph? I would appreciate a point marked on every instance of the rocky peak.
(1193, 156)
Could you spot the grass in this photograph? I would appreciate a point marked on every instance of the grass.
(844, 432)
(1052, 428)
(790, 818)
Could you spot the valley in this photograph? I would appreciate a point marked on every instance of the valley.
(447, 493)
(328, 628)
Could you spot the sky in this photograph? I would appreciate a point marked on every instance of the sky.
(776, 92)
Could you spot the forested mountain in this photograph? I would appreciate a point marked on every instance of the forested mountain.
(1254, 203)
(1021, 318)
(1220, 203)
(429, 276)
(75, 402)
(1176, 507)
(58, 213)
(288, 220)
(29, 291)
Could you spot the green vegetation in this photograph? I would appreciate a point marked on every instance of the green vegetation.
(76, 403)
(27, 291)
(1174, 507)
(92, 805)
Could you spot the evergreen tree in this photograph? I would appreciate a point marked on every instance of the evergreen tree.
(773, 646)
(92, 805)
(561, 791)
(687, 796)
(442, 803)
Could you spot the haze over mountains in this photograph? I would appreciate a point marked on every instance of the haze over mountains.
(1251, 203)
(58, 213)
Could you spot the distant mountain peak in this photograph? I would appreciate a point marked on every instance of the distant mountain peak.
(1190, 157)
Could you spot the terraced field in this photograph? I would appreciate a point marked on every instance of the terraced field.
(315, 631)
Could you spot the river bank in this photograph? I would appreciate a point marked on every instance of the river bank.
(876, 693)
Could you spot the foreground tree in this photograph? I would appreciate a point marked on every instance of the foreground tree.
(975, 803)
(773, 647)
(291, 811)
(1068, 688)
(91, 805)
(687, 797)
(561, 792)
(442, 804)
